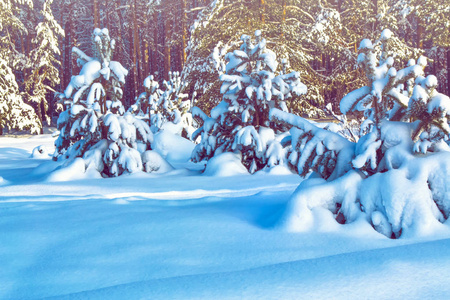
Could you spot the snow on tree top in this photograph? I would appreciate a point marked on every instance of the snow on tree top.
(422, 61)
(431, 81)
(386, 34)
(440, 103)
(365, 44)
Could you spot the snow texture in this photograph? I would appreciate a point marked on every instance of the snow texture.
(201, 237)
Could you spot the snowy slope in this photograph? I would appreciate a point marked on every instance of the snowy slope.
(183, 235)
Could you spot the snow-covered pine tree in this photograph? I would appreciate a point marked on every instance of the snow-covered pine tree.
(381, 175)
(250, 87)
(403, 95)
(94, 125)
(218, 30)
(167, 108)
(42, 71)
(14, 112)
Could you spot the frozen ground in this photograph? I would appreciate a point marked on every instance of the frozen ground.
(183, 235)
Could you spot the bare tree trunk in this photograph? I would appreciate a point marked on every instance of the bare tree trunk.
(135, 49)
(183, 33)
(96, 15)
(283, 17)
(263, 11)
(68, 44)
(61, 74)
(119, 50)
(166, 45)
(107, 21)
(419, 42)
(146, 60)
(155, 46)
(375, 13)
(22, 44)
(166, 62)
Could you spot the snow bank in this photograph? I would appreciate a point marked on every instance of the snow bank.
(225, 164)
(314, 201)
(197, 237)
(74, 170)
(172, 147)
(154, 163)
(411, 200)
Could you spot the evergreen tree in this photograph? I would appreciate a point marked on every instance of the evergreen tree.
(42, 71)
(167, 108)
(406, 122)
(95, 125)
(218, 29)
(14, 113)
(250, 87)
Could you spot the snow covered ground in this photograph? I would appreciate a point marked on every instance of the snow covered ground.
(183, 235)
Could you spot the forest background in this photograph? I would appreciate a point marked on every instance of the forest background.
(317, 38)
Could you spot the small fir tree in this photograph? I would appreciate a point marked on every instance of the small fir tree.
(250, 87)
(166, 108)
(95, 125)
(404, 115)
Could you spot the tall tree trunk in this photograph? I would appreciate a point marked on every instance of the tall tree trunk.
(68, 43)
(96, 15)
(183, 33)
(119, 50)
(22, 44)
(167, 64)
(283, 17)
(263, 11)
(155, 53)
(419, 42)
(146, 60)
(375, 13)
(166, 45)
(107, 17)
(61, 73)
(135, 48)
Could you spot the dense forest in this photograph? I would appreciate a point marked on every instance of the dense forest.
(317, 38)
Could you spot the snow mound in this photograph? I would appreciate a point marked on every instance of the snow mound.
(45, 168)
(224, 165)
(154, 163)
(408, 202)
(306, 209)
(75, 170)
(172, 147)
